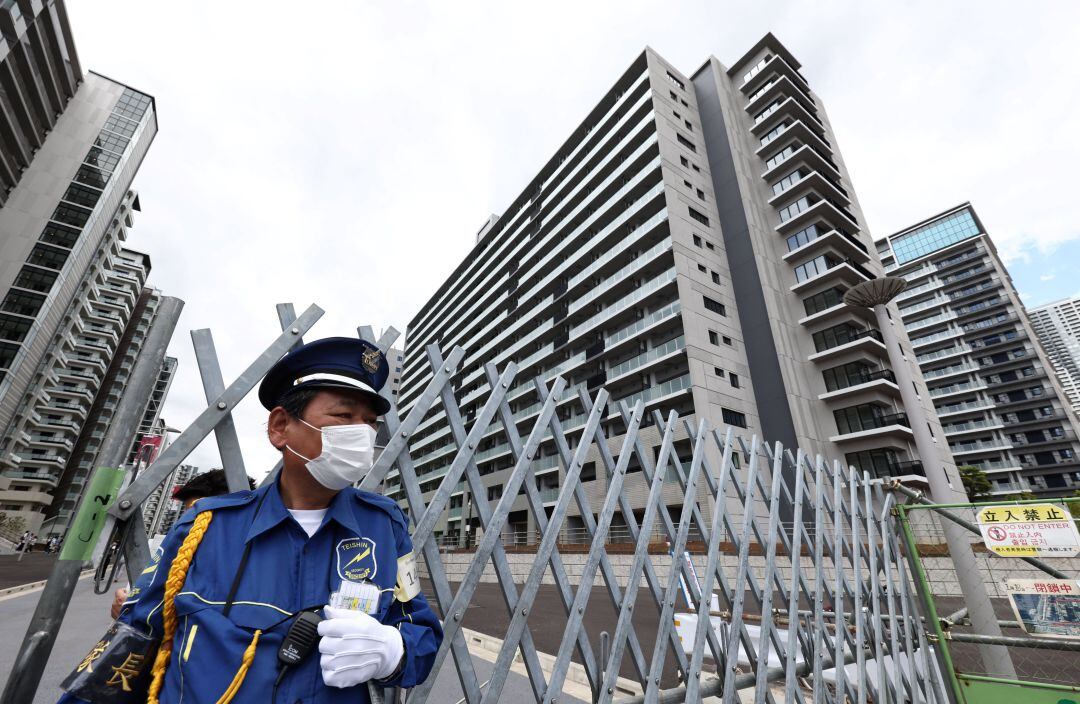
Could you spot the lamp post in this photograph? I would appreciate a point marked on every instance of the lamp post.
(875, 294)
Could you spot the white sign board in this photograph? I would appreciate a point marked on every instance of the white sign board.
(1048, 608)
(1029, 530)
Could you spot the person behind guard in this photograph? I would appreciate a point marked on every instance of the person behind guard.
(247, 581)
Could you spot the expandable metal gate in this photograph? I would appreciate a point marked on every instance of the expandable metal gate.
(827, 587)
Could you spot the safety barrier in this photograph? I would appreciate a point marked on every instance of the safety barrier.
(780, 571)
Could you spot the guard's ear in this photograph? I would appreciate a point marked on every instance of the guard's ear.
(276, 427)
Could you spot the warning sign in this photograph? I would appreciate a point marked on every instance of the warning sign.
(1027, 530)
(1049, 608)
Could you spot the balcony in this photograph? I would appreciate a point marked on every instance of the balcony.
(916, 290)
(791, 109)
(798, 130)
(953, 389)
(803, 155)
(775, 67)
(942, 354)
(935, 302)
(844, 244)
(965, 311)
(824, 209)
(891, 424)
(965, 275)
(780, 87)
(878, 380)
(932, 321)
(843, 270)
(861, 340)
(982, 325)
(967, 448)
(974, 426)
(907, 468)
(936, 337)
(957, 261)
(950, 371)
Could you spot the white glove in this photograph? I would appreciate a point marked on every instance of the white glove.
(356, 648)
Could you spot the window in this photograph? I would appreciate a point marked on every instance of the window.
(733, 417)
(716, 278)
(780, 156)
(695, 167)
(734, 379)
(674, 96)
(494, 492)
(701, 268)
(718, 372)
(701, 194)
(675, 80)
(807, 234)
(713, 337)
(709, 245)
(727, 341)
(588, 472)
(677, 115)
(684, 161)
(697, 241)
(714, 306)
(815, 267)
(824, 300)
(687, 184)
(787, 182)
(685, 142)
(71, 215)
(699, 216)
(689, 125)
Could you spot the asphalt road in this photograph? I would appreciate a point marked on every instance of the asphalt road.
(88, 617)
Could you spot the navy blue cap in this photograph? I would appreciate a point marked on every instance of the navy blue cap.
(331, 363)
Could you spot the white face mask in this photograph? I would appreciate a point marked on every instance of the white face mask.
(348, 451)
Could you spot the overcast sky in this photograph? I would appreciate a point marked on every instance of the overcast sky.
(345, 153)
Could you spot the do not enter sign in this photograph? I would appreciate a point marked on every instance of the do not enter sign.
(1028, 530)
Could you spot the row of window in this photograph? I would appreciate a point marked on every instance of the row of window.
(731, 376)
(715, 275)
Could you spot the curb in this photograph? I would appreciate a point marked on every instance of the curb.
(34, 585)
(23, 587)
(575, 673)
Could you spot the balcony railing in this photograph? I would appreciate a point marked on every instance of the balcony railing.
(899, 469)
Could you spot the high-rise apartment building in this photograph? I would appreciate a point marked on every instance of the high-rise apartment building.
(999, 402)
(1058, 326)
(70, 145)
(689, 245)
(160, 510)
(39, 75)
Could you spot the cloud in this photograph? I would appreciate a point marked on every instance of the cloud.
(349, 161)
(1047, 277)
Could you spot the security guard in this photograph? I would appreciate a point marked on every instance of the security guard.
(240, 575)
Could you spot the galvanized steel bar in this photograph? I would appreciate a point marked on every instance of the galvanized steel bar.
(547, 545)
(232, 458)
(704, 610)
(795, 553)
(195, 433)
(641, 555)
(690, 499)
(498, 555)
(743, 573)
(454, 613)
(588, 572)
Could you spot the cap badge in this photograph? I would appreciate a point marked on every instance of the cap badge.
(370, 360)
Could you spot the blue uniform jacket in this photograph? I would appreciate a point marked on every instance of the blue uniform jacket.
(361, 538)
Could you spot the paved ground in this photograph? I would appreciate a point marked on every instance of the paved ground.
(487, 613)
(88, 617)
(34, 566)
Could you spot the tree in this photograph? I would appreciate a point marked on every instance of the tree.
(975, 482)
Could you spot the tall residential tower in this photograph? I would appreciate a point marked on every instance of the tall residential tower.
(70, 145)
(1058, 326)
(999, 401)
(689, 245)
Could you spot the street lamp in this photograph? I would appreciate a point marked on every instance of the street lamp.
(875, 294)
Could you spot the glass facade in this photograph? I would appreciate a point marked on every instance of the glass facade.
(934, 236)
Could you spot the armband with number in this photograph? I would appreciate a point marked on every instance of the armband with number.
(117, 668)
